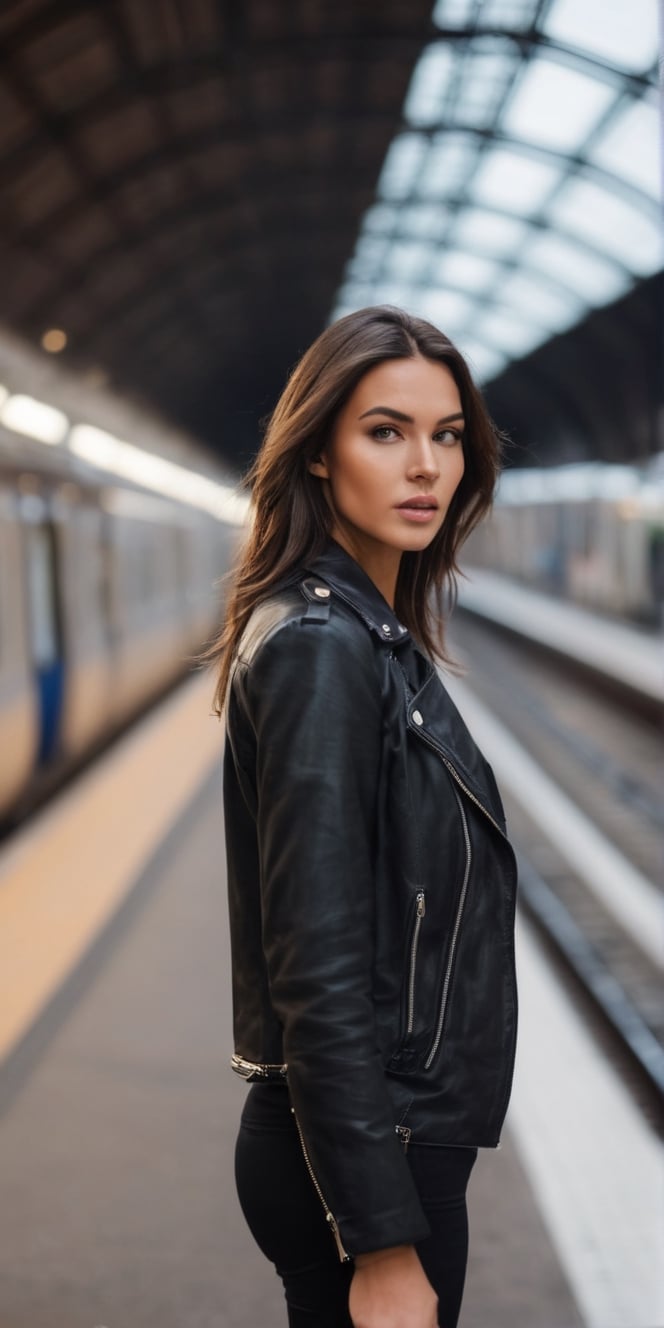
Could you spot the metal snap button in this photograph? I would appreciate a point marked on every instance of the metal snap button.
(417, 718)
(322, 592)
(387, 629)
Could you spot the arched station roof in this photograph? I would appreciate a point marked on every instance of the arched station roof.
(183, 180)
(522, 195)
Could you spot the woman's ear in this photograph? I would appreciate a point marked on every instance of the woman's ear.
(319, 467)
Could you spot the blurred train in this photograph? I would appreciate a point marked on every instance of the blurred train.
(109, 559)
(591, 532)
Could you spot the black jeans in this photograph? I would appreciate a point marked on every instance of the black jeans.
(286, 1218)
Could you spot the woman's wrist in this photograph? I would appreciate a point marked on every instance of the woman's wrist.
(371, 1257)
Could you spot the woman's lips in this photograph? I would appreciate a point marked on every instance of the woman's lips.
(418, 509)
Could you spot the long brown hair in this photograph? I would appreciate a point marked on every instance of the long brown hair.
(291, 516)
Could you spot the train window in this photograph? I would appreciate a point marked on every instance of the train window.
(42, 602)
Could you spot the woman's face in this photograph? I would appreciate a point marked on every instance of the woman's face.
(394, 460)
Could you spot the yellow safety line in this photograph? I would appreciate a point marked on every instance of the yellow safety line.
(66, 872)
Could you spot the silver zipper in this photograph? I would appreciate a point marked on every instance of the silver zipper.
(435, 748)
(455, 937)
(420, 911)
(404, 1132)
(457, 779)
(456, 776)
(329, 1216)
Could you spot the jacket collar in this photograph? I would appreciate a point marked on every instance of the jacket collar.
(347, 579)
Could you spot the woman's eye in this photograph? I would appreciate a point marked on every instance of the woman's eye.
(383, 432)
(448, 436)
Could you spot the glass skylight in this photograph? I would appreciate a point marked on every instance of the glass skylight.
(555, 106)
(623, 33)
(426, 220)
(406, 260)
(553, 306)
(494, 13)
(630, 147)
(613, 226)
(487, 66)
(523, 190)
(381, 218)
(369, 256)
(510, 13)
(402, 165)
(445, 308)
(516, 183)
(426, 95)
(489, 231)
(596, 278)
(453, 13)
(508, 332)
(484, 361)
(465, 271)
(445, 166)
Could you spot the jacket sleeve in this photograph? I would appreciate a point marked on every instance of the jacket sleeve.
(313, 698)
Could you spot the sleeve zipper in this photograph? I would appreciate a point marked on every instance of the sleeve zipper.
(344, 1256)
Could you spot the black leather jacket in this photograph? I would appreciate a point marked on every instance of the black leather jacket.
(372, 895)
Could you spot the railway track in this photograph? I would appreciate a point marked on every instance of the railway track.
(599, 905)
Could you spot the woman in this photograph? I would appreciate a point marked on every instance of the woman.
(371, 885)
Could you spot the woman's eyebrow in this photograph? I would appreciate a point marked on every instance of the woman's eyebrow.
(407, 419)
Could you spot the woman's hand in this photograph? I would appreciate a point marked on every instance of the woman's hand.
(391, 1290)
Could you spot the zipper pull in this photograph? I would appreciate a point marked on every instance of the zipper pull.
(343, 1256)
(421, 905)
(404, 1133)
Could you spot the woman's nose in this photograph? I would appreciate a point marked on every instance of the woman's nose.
(424, 460)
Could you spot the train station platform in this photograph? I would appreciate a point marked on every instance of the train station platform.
(119, 1111)
(618, 651)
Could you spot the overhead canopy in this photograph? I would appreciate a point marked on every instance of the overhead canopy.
(183, 182)
(523, 189)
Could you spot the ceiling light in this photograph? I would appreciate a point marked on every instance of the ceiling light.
(54, 340)
(25, 415)
(106, 452)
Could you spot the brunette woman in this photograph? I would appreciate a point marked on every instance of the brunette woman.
(371, 885)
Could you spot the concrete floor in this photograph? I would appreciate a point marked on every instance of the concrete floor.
(119, 1118)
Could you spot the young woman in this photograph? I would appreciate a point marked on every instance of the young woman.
(371, 886)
